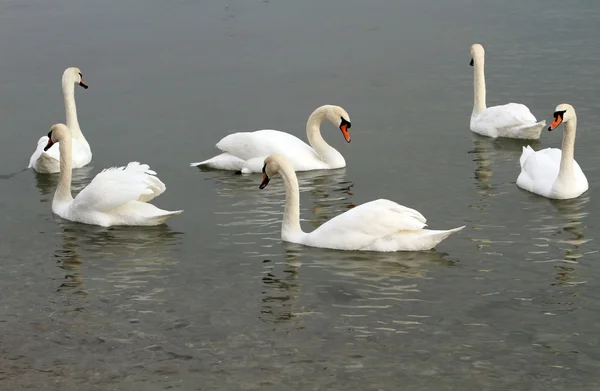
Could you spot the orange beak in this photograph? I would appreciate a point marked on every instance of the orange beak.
(557, 121)
(50, 143)
(345, 132)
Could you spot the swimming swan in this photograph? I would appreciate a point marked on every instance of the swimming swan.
(116, 196)
(552, 172)
(47, 162)
(512, 120)
(246, 151)
(379, 225)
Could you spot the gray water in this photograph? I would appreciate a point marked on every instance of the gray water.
(214, 300)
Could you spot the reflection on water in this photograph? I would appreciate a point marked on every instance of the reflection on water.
(129, 256)
(46, 183)
(357, 286)
(490, 152)
(262, 210)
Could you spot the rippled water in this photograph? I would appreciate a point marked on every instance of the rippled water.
(214, 300)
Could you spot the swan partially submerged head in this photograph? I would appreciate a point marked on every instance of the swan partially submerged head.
(477, 53)
(57, 133)
(563, 113)
(73, 76)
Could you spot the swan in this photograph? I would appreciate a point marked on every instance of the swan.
(380, 225)
(512, 120)
(246, 151)
(47, 162)
(116, 196)
(552, 172)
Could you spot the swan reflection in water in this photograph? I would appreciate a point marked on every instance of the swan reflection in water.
(129, 257)
(46, 183)
(359, 282)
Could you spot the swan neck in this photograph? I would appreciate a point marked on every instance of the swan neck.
(313, 133)
(63, 190)
(567, 172)
(479, 104)
(290, 227)
(68, 88)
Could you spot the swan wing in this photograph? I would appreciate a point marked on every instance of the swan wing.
(262, 143)
(52, 153)
(116, 186)
(360, 226)
(507, 116)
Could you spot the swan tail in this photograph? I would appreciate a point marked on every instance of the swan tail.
(224, 161)
(417, 240)
(533, 131)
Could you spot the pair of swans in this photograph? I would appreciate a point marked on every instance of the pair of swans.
(380, 225)
(47, 162)
(551, 172)
(116, 196)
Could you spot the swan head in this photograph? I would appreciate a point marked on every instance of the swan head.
(273, 165)
(477, 53)
(73, 75)
(57, 132)
(563, 113)
(336, 115)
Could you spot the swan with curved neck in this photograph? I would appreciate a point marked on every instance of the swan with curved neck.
(116, 196)
(552, 172)
(246, 151)
(379, 225)
(512, 120)
(47, 162)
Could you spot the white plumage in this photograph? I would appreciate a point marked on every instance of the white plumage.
(116, 196)
(512, 120)
(246, 151)
(380, 225)
(47, 162)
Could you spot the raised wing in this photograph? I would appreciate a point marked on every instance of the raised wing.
(52, 153)
(370, 221)
(116, 186)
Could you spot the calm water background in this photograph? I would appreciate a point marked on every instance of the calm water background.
(214, 299)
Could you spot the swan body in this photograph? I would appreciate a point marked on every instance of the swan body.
(512, 120)
(116, 196)
(551, 172)
(246, 151)
(47, 162)
(380, 225)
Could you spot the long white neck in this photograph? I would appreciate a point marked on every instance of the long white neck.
(68, 88)
(325, 151)
(479, 86)
(290, 227)
(63, 190)
(566, 173)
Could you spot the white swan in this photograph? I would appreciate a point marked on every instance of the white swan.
(116, 196)
(551, 172)
(246, 151)
(47, 162)
(512, 120)
(379, 225)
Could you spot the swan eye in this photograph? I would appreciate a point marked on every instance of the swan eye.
(344, 122)
(559, 114)
(471, 63)
(264, 169)
(80, 75)
(50, 134)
